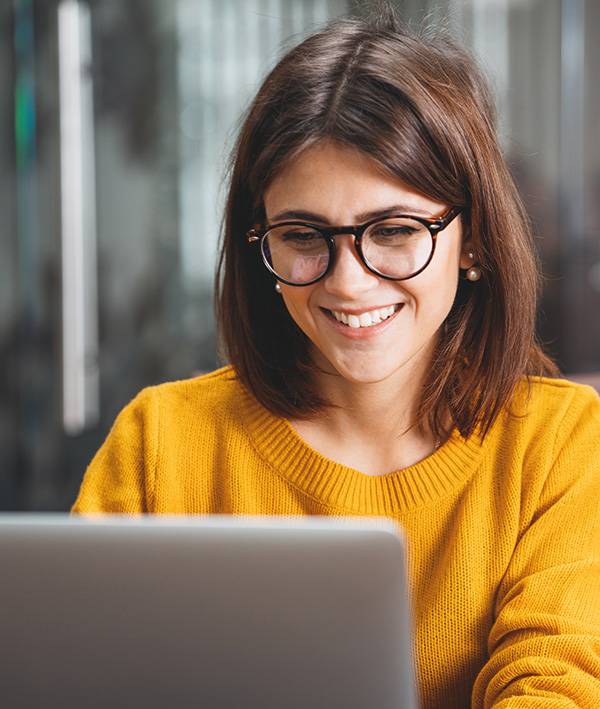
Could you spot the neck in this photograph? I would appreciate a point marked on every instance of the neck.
(376, 406)
(370, 426)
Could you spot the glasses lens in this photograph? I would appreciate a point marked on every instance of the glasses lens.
(397, 248)
(296, 253)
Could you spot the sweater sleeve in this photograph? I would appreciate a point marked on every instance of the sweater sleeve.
(544, 646)
(120, 478)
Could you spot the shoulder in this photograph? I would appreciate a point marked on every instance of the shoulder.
(548, 420)
(552, 424)
(556, 403)
(215, 392)
(202, 403)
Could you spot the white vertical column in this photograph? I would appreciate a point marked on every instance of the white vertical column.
(491, 45)
(198, 96)
(78, 219)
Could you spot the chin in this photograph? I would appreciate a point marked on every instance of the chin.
(354, 376)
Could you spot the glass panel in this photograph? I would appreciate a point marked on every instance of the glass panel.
(170, 79)
(543, 59)
(9, 302)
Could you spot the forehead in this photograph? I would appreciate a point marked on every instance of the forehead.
(340, 184)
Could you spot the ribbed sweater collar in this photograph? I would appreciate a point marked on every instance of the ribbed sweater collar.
(337, 486)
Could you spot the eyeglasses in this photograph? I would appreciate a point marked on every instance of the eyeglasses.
(397, 247)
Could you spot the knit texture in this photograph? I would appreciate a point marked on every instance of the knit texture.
(504, 534)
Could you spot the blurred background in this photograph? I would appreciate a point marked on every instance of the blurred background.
(116, 120)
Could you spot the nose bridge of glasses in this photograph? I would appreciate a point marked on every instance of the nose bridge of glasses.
(355, 231)
(347, 255)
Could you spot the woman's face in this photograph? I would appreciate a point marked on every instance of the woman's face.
(337, 186)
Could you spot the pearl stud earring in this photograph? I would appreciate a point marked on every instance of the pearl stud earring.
(473, 273)
(278, 287)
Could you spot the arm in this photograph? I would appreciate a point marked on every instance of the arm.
(545, 643)
(120, 478)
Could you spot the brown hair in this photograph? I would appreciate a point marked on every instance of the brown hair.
(418, 105)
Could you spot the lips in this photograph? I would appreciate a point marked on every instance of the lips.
(366, 319)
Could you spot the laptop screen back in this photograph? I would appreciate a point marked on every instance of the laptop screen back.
(213, 612)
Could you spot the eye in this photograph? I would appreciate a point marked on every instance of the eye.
(298, 237)
(396, 232)
(390, 231)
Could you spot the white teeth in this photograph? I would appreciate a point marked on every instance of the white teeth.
(364, 319)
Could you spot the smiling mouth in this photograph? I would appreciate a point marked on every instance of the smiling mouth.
(368, 319)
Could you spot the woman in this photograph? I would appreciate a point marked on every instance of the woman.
(376, 300)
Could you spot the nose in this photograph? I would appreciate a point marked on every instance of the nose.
(349, 277)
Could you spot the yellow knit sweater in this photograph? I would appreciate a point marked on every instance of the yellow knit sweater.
(504, 535)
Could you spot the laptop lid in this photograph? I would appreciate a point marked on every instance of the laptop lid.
(207, 612)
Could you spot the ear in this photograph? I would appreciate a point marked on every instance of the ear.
(467, 255)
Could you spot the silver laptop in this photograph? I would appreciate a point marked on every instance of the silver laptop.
(203, 612)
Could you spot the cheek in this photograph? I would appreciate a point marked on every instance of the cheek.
(445, 273)
(296, 302)
(435, 294)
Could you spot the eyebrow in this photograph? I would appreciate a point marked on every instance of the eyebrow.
(300, 215)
